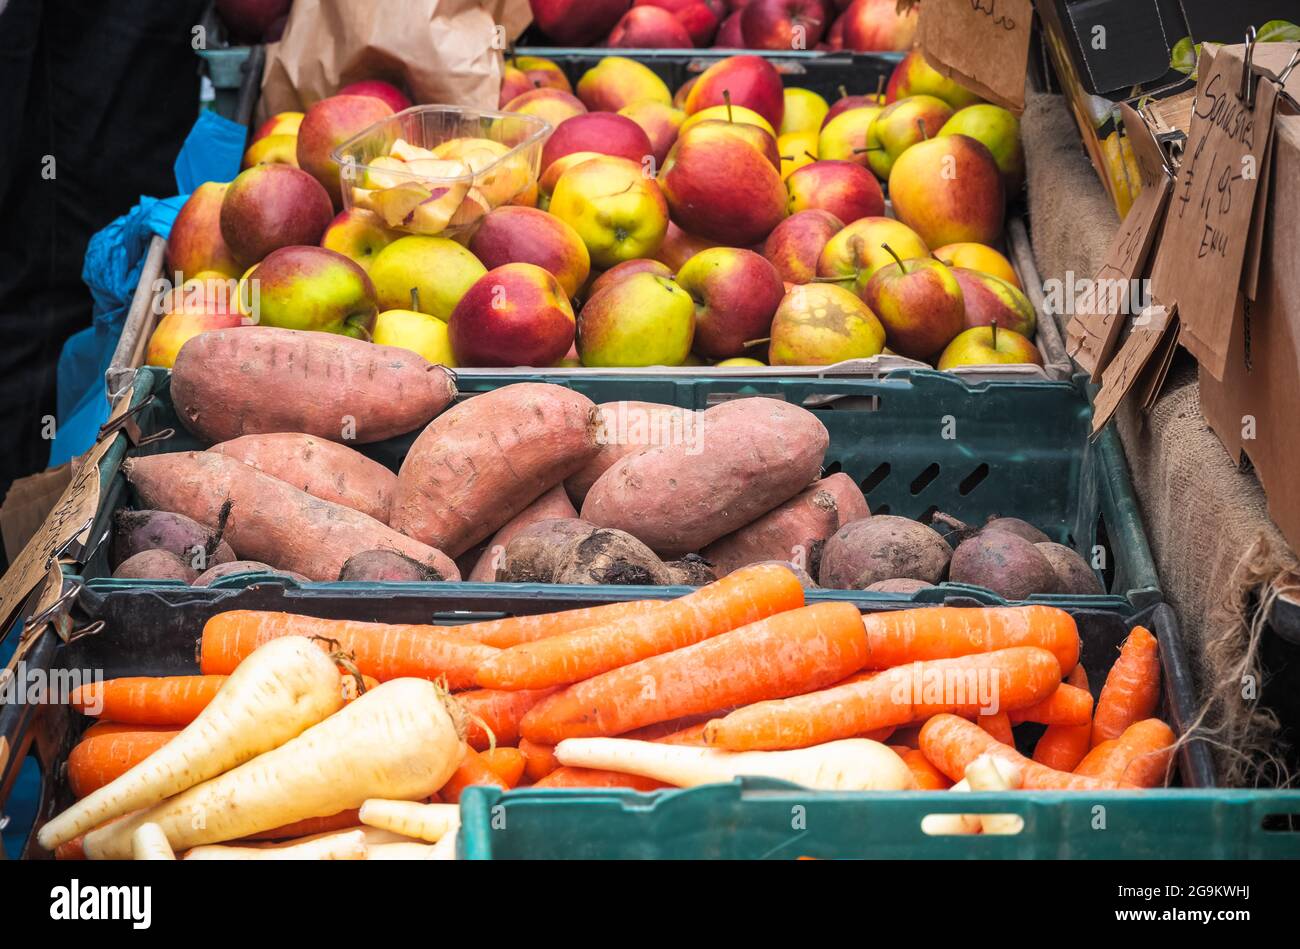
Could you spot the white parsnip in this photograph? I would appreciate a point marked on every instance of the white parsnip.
(987, 773)
(429, 822)
(409, 850)
(344, 845)
(397, 741)
(942, 825)
(150, 843)
(851, 764)
(444, 849)
(279, 691)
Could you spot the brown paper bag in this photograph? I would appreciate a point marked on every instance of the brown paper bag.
(447, 52)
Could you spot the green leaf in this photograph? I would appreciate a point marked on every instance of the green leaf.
(1185, 56)
(1278, 31)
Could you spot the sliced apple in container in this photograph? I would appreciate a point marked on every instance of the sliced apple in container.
(403, 150)
(474, 207)
(461, 148)
(395, 205)
(437, 170)
(364, 198)
(379, 173)
(433, 215)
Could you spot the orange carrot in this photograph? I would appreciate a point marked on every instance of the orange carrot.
(909, 735)
(383, 650)
(499, 710)
(1132, 687)
(1067, 705)
(311, 825)
(148, 700)
(473, 769)
(111, 753)
(926, 775)
(513, 630)
(70, 850)
(782, 655)
(951, 743)
(999, 726)
(694, 735)
(539, 760)
(508, 763)
(942, 632)
(881, 735)
(565, 777)
(661, 730)
(965, 685)
(1062, 747)
(1139, 757)
(743, 596)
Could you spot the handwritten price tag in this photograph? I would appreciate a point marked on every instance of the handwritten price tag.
(982, 44)
(1203, 248)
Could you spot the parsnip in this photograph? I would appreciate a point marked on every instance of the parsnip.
(348, 845)
(852, 764)
(987, 773)
(149, 843)
(280, 690)
(410, 850)
(429, 822)
(397, 741)
(941, 825)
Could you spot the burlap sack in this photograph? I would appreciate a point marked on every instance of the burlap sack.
(1217, 551)
(447, 52)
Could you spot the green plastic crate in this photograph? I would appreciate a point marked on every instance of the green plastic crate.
(917, 441)
(231, 76)
(757, 819)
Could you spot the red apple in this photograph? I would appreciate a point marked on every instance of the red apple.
(700, 18)
(736, 292)
(795, 245)
(989, 300)
(273, 206)
(876, 26)
(196, 244)
(577, 22)
(327, 125)
(783, 24)
(949, 190)
(843, 188)
(385, 92)
(251, 19)
(552, 105)
(844, 103)
(750, 81)
(514, 315)
(919, 303)
(660, 123)
(679, 247)
(914, 76)
(650, 28)
(179, 326)
(834, 39)
(729, 35)
(603, 132)
(541, 72)
(511, 235)
(626, 269)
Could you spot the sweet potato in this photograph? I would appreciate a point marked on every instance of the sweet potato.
(1073, 575)
(259, 379)
(849, 499)
(1014, 525)
(625, 428)
(750, 455)
(270, 521)
(324, 469)
(156, 564)
(235, 567)
(137, 531)
(882, 547)
(1003, 562)
(553, 504)
(478, 465)
(794, 531)
(387, 566)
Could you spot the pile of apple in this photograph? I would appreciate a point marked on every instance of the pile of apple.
(734, 221)
(860, 25)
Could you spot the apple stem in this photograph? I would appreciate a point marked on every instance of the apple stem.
(880, 87)
(920, 124)
(901, 266)
(844, 93)
(357, 322)
(726, 95)
(994, 324)
(415, 299)
(755, 342)
(811, 156)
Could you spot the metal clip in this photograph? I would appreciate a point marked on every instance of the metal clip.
(71, 587)
(92, 629)
(58, 552)
(1247, 91)
(1286, 70)
(125, 423)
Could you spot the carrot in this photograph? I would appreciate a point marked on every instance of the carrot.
(1132, 687)
(694, 735)
(104, 757)
(148, 700)
(383, 650)
(926, 775)
(513, 630)
(999, 726)
(661, 730)
(909, 735)
(742, 597)
(473, 769)
(951, 743)
(397, 741)
(1062, 747)
(940, 632)
(564, 777)
(286, 687)
(1067, 705)
(965, 685)
(310, 826)
(508, 763)
(539, 760)
(1139, 757)
(499, 710)
(781, 655)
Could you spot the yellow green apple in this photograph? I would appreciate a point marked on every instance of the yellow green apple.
(999, 131)
(311, 288)
(804, 111)
(619, 213)
(737, 362)
(949, 190)
(797, 149)
(617, 81)
(914, 76)
(282, 123)
(427, 274)
(272, 150)
(899, 126)
(989, 346)
(419, 332)
(734, 113)
(844, 137)
(856, 252)
(818, 324)
(641, 320)
(179, 326)
(541, 72)
(989, 300)
(359, 235)
(553, 105)
(979, 257)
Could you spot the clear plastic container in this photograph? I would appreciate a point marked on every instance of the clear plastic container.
(437, 169)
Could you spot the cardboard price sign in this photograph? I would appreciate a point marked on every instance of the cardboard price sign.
(1140, 366)
(982, 44)
(1202, 251)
